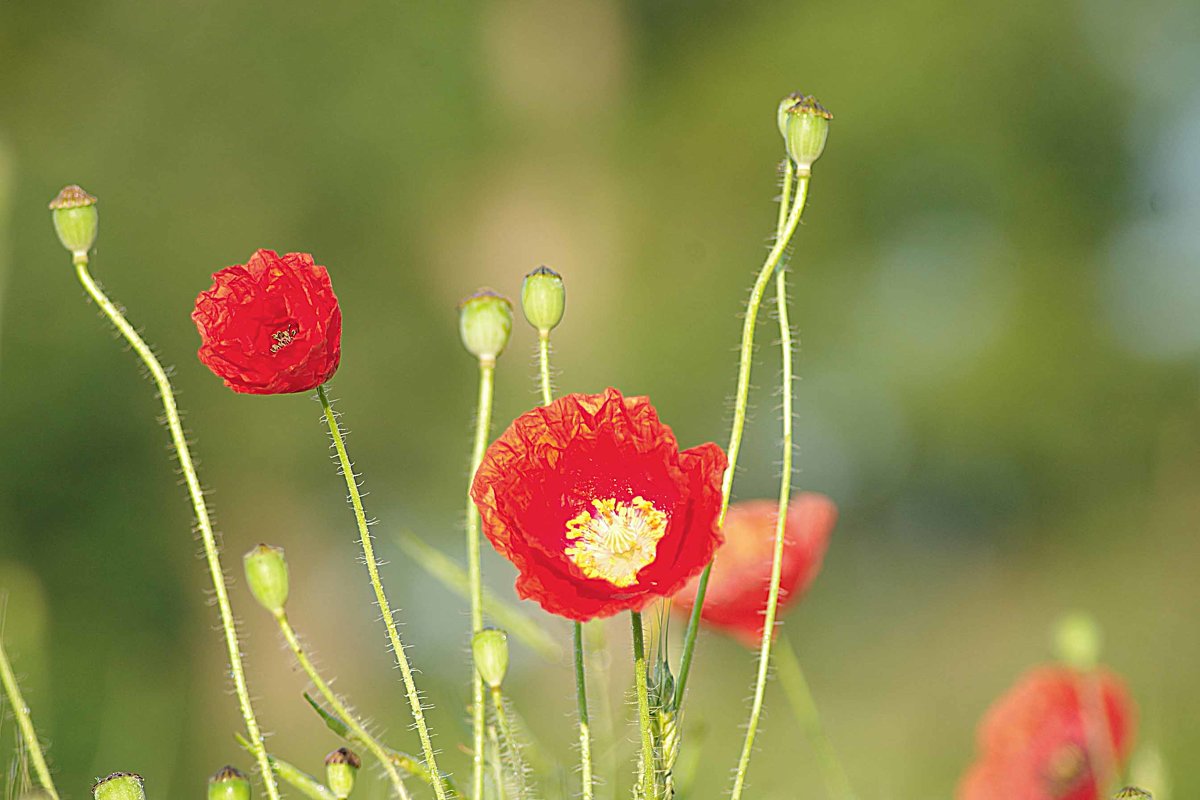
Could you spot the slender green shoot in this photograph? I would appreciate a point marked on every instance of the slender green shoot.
(647, 780)
(25, 723)
(483, 424)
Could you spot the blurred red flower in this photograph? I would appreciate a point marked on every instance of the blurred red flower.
(270, 326)
(592, 501)
(1059, 734)
(741, 577)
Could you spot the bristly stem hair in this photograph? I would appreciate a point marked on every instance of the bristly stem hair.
(352, 722)
(211, 551)
(648, 779)
(483, 424)
(389, 619)
(25, 723)
(782, 239)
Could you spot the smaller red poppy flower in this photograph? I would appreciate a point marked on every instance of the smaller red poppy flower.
(595, 505)
(1059, 734)
(741, 576)
(271, 325)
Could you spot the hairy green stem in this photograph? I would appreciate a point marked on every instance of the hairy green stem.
(483, 424)
(648, 779)
(508, 738)
(782, 239)
(25, 722)
(785, 495)
(211, 551)
(544, 366)
(389, 620)
(352, 722)
(799, 695)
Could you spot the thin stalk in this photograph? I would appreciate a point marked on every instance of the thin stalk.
(508, 739)
(648, 780)
(581, 700)
(785, 494)
(497, 764)
(211, 552)
(352, 722)
(25, 722)
(389, 620)
(795, 686)
(782, 239)
(483, 423)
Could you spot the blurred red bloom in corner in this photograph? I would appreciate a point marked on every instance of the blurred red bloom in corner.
(594, 503)
(741, 577)
(1059, 734)
(270, 326)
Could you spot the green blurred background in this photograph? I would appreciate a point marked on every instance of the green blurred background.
(997, 290)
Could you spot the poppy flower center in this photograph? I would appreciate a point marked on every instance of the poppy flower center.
(284, 337)
(616, 540)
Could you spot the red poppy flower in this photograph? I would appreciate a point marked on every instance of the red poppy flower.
(592, 501)
(270, 326)
(1057, 735)
(741, 577)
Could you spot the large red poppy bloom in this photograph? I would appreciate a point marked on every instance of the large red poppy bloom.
(741, 577)
(592, 501)
(1058, 734)
(270, 326)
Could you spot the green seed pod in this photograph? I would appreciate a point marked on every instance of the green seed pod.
(543, 299)
(341, 767)
(119, 786)
(1077, 640)
(76, 220)
(267, 576)
(490, 647)
(805, 127)
(485, 322)
(228, 784)
(1133, 793)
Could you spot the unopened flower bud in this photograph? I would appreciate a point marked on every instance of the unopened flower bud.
(485, 322)
(119, 786)
(341, 767)
(228, 784)
(75, 219)
(543, 299)
(267, 576)
(1077, 640)
(490, 647)
(1133, 793)
(804, 124)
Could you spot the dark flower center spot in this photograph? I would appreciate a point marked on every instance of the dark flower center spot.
(283, 338)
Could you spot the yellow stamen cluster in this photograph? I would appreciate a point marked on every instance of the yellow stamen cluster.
(616, 541)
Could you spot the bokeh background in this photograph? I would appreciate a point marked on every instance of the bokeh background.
(997, 290)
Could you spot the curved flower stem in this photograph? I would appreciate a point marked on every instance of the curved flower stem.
(483, 424)
(581, 701)
(795, 686)
(509, 740)
(785, 494)
(782, 239)
(211, 552)
(339, 708)
(389, 620)
(25, 723)
(648, 780)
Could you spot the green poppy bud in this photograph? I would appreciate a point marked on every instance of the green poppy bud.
(75, 219)
(1077, 640)
(485, 322)
(267, 576)
(119, 786)
(543, 299)
(1133, 793)
(490, 647)
(228, 784)
(804, 124)
(341, 767)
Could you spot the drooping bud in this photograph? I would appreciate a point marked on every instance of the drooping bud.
(485, 322)
(119, 786)
(490, 647)
(76, 220)
(804, 124)
(1133, 793)
(267, 576)
(543, 299)
(1077, 640)
(228, 783)
(341, 767)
